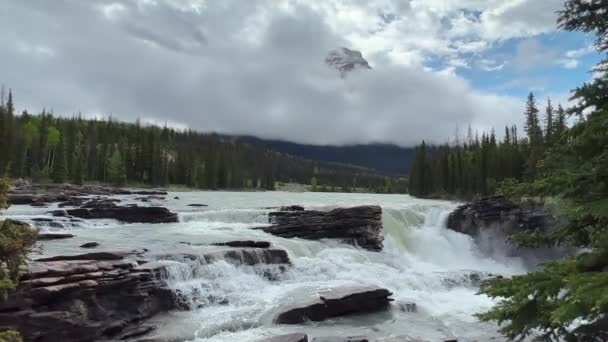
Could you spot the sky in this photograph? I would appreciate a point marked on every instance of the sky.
(257, 66)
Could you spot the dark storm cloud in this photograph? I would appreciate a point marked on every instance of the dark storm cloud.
(244, 67)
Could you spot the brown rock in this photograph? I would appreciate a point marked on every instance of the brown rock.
(359, 226)
(336, 302)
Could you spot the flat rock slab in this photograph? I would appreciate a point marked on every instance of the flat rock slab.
(287, 338)
(54, 236)
(84, 298)
(336, 302)
(340, 339)
(359, 226)
(131, 214)
(246, 243)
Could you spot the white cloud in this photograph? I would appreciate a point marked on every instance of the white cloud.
(490, 65)
(256, 67)
(568, 63)
(578, 53)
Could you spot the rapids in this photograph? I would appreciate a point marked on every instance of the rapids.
(422, 262)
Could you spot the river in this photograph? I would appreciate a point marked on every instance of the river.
(422, 262)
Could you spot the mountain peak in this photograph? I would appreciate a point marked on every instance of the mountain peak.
(345, 60)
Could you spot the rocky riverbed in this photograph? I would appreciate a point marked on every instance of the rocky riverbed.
(223, 273)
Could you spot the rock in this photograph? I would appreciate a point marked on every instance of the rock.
(340, 339)
(359, 226)
(41, 219)
(245, 256)
(130, 214)
(292, 208)
(407, 306)
(90, 245)
(148, 192)
(87, 256)
(197, 205)
(176, 197)
(248, 243)
(336, 302)
(36, 200)
(346, 60)
(137, 332)
(101, 203)
(84, 299)
(287, 338)
(499, 212)
(54, 236)
(149, 198)
(39, 204)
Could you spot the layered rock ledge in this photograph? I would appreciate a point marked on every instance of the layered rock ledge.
(130, 214)
(359, 226)
(336, 302)
(42, 194)
(90, 297)
(500, 213)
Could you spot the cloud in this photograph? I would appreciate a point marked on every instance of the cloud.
(256, 67)
(531, 53)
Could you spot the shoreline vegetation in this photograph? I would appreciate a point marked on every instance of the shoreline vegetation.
(44, 147)
(561, 167)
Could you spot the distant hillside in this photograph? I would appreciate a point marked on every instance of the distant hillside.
(387, 159)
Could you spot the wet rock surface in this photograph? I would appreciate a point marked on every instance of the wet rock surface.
(499, 212)
(90, 245)
(128, 214)
(297, 337)
(54, 236)
(244, 256)
(360, 226)
(87, 298)
(68, 194)
(246, 243)
(336, 302)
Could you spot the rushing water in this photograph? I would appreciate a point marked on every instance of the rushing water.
(422, 262)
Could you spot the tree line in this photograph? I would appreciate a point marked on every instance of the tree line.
(567, 299)
(478, 164)
(45, 147)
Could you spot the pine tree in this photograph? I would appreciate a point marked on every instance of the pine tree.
(567, 300)
(60, 169)
(549, 123)
(560, 122)
(532, 126)
(117, 170)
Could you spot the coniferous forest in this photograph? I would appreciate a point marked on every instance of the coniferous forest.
(477, 164)
(562, 166)
(45, 147)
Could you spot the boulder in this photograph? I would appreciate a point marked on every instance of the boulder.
(90, 245)
(247, 243)
(54, 236)
(100, 203)
(297, 337)
(83, 299)
(336, 302)
(499, 212)
(130, 214)
(359, 226)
